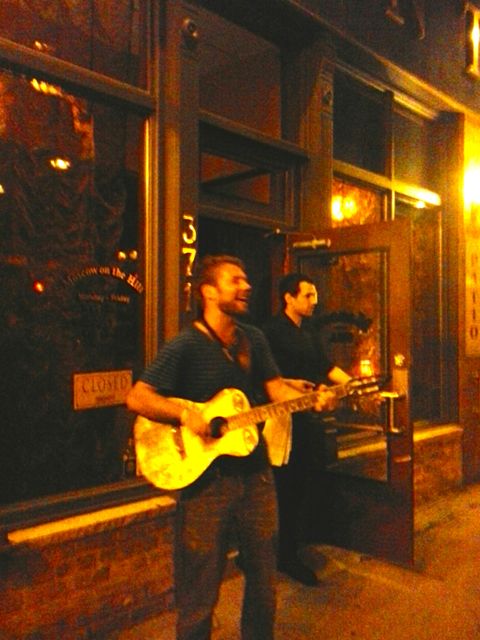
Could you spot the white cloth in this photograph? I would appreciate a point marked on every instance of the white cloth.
(278, 435)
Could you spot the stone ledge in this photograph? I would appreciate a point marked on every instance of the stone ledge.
(91, 523)
(438, 431)
(427, 434)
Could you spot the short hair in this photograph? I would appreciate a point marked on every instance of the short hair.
(206, 272)
(291, 284)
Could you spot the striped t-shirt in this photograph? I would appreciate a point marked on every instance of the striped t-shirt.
(194, 366)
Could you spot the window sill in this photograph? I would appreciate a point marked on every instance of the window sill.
(41, 511)
(91, 523)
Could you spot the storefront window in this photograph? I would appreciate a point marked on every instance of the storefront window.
(70, 289)
(101, 35)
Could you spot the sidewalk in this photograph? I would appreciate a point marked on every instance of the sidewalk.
(361, 598)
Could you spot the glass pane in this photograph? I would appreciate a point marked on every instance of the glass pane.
(353, 205)
(225, 177)
(107, 36)
(240, 75)
(71, 295)
(348, 323)
(414, 153)
(427, 301)
(358, 125)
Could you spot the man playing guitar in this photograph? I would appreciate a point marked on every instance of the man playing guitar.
(235, 491)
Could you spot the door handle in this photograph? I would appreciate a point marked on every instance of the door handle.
(314, 243)
(393, 395)
(390, 397)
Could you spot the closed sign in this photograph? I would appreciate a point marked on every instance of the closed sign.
(101, 388)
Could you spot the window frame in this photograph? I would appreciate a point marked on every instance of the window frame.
(408, 191)
(92, 85)
(220, 136)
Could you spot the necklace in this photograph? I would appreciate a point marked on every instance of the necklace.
(241, 355)
(213, 334)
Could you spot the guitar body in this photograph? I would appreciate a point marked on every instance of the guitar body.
(172, 458)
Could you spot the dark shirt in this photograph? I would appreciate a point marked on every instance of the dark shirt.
(296, 350)
(195, 367)
(299, 355)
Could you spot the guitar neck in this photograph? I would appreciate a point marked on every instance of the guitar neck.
(277, 409)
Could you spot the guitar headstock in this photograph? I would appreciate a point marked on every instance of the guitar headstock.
(365, 386)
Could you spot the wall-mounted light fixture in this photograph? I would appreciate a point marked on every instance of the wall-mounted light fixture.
(471, 185)
(471, 196)
(472, 39)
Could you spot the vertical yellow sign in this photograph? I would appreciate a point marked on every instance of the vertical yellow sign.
(472, 296)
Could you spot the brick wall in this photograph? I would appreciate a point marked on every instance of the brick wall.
(437, 462)
(437, 459)
(86, 576)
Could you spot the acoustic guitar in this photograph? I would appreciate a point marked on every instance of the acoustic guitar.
(172, 457)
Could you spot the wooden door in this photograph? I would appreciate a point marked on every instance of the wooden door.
(363, 495)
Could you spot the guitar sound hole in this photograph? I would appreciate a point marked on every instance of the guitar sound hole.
(218, 427)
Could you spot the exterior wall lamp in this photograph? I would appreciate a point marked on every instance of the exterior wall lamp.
(472, 40)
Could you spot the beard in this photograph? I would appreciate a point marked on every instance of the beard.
(234, 307)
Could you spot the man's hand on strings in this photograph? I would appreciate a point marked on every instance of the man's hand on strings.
(326, 399)
(194, 420)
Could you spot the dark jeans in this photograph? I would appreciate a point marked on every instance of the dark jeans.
(293, 484)
(206, 514)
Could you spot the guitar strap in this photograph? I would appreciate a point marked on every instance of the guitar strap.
(238, 352)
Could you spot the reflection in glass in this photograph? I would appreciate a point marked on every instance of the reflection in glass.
(426, 394)
(225, 177)
(99, 35)
(240, 75)
(414, 148)
(359, 124)
(352, 204)
(70, 293)
(348, 324)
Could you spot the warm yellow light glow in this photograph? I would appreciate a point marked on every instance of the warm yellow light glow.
(60, 164)
(349, 207)
(44, 87)
(471, 185)
(343, 208)
(420, 204)
(337, 208)
(121, 255)
(366, 368)
(43, 46)
(38, 286)
(2, 190)
(475, 34)
(133, 254)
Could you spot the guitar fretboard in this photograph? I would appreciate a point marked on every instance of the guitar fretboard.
(277, 409)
